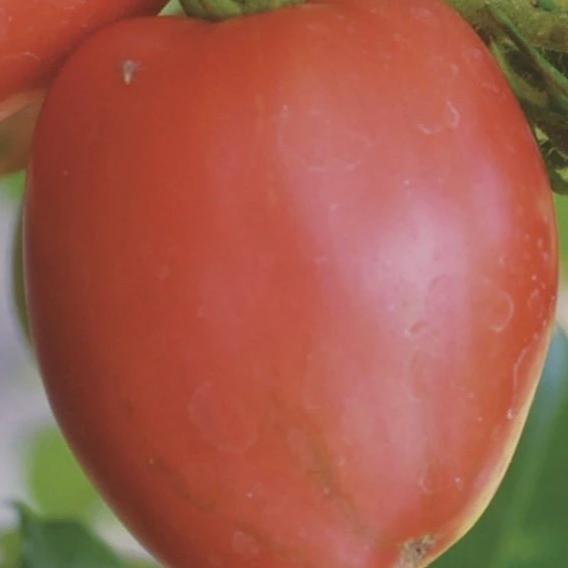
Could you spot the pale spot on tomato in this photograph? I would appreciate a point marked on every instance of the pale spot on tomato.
(417, 329)
(453, 119)
(164, 272)
(400, 39)
(492, 87)
(524, 372)
(129, 69)
(301, 448)
(492, 304)
(454, 70)
(257, 493)
(475, 54)
(536, 302)
(423, 14)
(414, 552)
(498, 307)
(221, 419)
(245, 545)
(449, 119)
(423, 484)
(521, 368)
(214, 562)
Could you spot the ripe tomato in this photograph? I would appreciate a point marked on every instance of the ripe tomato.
(35, 35)
(291, 280)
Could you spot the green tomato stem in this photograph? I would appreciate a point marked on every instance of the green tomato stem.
(217, 10)
(543, 23)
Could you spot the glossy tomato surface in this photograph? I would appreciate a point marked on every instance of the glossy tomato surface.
(291, 280)
(35, 36)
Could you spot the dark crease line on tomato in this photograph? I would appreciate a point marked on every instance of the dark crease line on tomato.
(323, 474)
(207, 505)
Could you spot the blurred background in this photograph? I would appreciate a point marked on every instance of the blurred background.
(67, 525)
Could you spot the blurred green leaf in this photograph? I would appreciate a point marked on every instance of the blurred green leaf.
(10, 550)
(548, 5)
(12, 186)
(56, 482)
(561, 205)
(526, 524)
(61, 544)
(541, 85)
(18, 292)
(140, 564)
(172, 8)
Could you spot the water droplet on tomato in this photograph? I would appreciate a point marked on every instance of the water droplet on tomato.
(496, 305)
(448, 118)
(416, 329)
(518, 370)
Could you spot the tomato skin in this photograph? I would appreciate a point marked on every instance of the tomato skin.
(291, 280)
(35, 36)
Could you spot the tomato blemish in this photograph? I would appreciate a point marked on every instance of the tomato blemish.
(129, 69)
(415, 551)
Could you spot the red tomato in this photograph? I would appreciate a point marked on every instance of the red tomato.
(35, 36)
(291, 280)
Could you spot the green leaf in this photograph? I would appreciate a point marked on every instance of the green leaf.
(140, 564)
(61, 544)
(56, 482)
(171, 9)
(12, 186)
(556, 83)
(18, 293)
(525, 526)
(537, 78)
(561, 206)
(548, 5)
(10, 550)
(559, 181)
